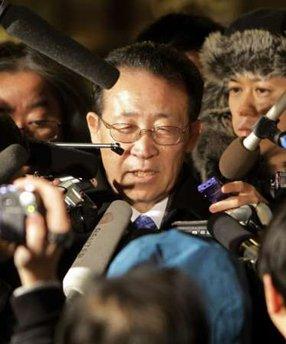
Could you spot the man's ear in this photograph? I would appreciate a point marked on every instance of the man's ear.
(195, 130)
(93, 126)
(274, 300)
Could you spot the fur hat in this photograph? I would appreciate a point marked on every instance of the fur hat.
(254, 43)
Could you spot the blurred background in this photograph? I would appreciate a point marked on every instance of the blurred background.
(102, 25)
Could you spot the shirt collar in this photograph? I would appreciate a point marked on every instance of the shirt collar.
(156, 213)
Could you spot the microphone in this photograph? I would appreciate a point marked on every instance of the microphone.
(47, 158)
(35, 32)
(230, 234)
(9, 132)
(95, 255)
(12, 159)
(241, 155)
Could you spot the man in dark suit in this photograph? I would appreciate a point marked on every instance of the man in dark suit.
(152, 111)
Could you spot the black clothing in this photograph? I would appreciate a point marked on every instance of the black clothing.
(37, 312)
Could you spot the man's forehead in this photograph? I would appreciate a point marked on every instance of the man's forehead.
(138, 90)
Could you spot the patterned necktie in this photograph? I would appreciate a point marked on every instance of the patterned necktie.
(144, 222)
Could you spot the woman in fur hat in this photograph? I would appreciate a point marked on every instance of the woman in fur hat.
(247, 67)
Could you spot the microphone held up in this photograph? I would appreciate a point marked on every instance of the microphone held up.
(242, 154)
(230, 234)
(97, 252)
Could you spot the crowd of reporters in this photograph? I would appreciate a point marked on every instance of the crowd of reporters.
(187, 289)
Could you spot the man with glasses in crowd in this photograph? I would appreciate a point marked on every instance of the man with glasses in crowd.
(152, 111)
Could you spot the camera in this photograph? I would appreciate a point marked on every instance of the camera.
(211, 190)
(15, 205)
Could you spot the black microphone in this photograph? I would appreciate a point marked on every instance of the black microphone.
(230, 234)
(35, 32)
(9, 132)
(12, 159)
(95, 255)
(47, 158)
(241, 155)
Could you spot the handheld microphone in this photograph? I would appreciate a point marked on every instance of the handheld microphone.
(95, 255)
(48, 158)
(230, 234)
(241, 155)
(35, 32)
(12, 159)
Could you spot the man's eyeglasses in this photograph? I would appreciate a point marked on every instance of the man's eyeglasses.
(43, 129)
(162, 135)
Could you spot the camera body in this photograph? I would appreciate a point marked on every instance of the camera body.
(15, 205)
(211, 190)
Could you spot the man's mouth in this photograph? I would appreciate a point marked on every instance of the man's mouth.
(142, 174)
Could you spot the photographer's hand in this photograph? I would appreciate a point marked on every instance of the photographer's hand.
(242, 194)
(37, 260)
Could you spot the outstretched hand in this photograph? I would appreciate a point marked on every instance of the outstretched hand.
(37, 260)
(242, 193)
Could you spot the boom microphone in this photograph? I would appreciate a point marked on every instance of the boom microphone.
(241, 155)
(12, 159)
(230, 234)
(35, 32)
(95, 255)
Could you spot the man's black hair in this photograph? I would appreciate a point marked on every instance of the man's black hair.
(146, 305)
(185, 32)
(162, 61)
(272, 258)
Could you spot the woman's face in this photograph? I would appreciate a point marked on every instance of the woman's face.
(30, 101)
(250, 97)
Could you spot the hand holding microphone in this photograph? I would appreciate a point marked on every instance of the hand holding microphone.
(242, 154)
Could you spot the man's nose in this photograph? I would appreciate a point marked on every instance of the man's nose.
(144, 147)
(247, 106)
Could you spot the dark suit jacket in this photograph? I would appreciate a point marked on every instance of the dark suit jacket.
(185, 203)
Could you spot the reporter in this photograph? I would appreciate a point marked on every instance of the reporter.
(272, 268)
(38, 302)
(47, 101)
(246, 63)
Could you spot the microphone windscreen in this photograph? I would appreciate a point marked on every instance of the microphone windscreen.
(9, 132)
(97, 252)
(236, 161)
(227, 231)
(12, 159)
(41, 36)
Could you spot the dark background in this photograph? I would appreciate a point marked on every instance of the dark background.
(102, 25)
